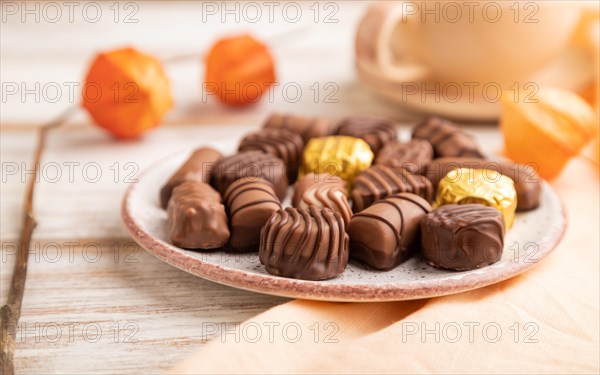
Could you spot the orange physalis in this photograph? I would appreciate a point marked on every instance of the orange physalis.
(547, 130)
(239, 70)
(126, 92)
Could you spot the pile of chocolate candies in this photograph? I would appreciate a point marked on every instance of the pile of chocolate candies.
(436, 194)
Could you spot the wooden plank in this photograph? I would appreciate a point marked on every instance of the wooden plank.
(97, 306)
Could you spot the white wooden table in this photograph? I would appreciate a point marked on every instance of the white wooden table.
(94, 301)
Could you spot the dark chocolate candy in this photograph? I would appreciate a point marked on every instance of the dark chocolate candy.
(446, 138)
(197, 168)
(387, 233)
(306, 127)
(379, 181)
(280, 143)
(196, 217)
(462, 237)
(308, 244)
(323, 191)
(250, 164)
(412, 156)
(377, 132)
(250, 202)
(528, 183)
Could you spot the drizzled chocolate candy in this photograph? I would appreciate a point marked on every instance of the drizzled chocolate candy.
(308, 244)
(306, 127)
(412, 156)
(387, 233)
(379, 181)
(250, 164)
(528, 183)
(375, 131)
(446, 138)
(250, 202)
(196, 217)
(323, 191)
(197, 168)
(462, 237)
(280, 143)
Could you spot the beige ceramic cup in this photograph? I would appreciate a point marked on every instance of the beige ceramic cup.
(478, 41)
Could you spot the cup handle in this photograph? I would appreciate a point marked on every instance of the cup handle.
(373, 39)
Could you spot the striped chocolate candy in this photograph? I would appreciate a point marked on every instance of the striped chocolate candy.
(309, 244)
(412, 156)
(446, 138)
(388, 232)
(280, 143)
(249, 203)
(379, 182)
(255, 164)
(375, 131)
(323, 191)
(307, 127)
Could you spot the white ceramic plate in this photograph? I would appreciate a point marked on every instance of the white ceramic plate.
(533, 236)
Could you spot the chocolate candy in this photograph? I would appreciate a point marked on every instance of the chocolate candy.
(280, 143)
(336, 156)
(196, 217)
(250, 164)
(385, 234)
(446, 138)
(375, 131)
(306, 127)
(528, 183)
(250, 202)
(308, 244)
(483, 186)
(197, 168)
(412, 156)
(323, 191)
(379, 181)
(462, 237)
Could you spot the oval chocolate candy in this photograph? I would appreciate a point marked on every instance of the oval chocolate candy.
(462, 237)
(387, 233)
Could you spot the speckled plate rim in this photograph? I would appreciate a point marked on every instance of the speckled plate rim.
(318, 290)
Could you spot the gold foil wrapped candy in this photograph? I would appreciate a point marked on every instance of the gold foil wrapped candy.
(337, 156)
(487, 187)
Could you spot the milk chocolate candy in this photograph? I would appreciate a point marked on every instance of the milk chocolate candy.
(528, 183)
(447, 138)
(375, 131)
(309, 244)
(197, 168)
(462, 237)
(310, 179)
(250, 203)
(323, 191)
(379, 182)
(250, 164)
(412, 156)
(387, 233)
(196, 217)
(280, 143)
(306, 127)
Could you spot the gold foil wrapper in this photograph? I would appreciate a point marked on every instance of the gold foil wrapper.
(483, 186)
(337, 156)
